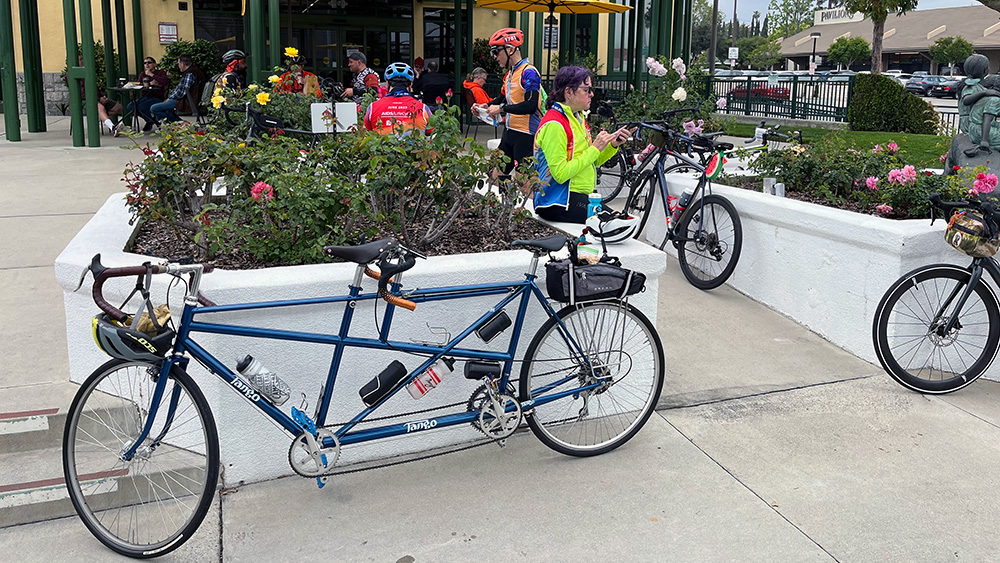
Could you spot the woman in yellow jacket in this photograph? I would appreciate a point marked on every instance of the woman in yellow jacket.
(566, 155)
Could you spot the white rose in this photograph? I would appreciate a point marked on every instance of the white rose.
(680, 94)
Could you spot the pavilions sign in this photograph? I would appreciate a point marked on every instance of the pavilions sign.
(837, 15)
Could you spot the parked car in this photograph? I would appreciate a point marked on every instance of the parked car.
(954, 71)
(920, 73)
(758, 92)
(947, 89)
(922, 85)
(728, 73)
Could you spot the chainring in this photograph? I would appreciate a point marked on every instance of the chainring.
(478, 399)
(499, 425)
(309, 458)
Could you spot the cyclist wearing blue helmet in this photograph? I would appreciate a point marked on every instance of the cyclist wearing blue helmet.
(399, 111)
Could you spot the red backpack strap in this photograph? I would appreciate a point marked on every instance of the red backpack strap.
(557, 114)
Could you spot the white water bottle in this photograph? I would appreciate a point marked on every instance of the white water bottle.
(431, 377)
(265, 381)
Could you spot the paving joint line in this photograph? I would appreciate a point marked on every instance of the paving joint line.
(749, 489)
(32, 215)
(4, 268)
(765, 393)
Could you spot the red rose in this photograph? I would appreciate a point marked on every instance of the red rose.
(956, 168)
(928, 172)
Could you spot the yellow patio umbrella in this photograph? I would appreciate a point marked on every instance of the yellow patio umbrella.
(553, 7)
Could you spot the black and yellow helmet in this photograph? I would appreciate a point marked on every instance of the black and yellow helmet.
(122, 342)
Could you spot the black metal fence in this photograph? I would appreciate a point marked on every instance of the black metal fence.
(798, 97)
(948, 121)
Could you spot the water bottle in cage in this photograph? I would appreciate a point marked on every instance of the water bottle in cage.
(431, 377)
(265, 381)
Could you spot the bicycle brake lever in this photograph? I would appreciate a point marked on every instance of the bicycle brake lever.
(95, 267)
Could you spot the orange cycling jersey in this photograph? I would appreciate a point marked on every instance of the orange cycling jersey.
(399, 113)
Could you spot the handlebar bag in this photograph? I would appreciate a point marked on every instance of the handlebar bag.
(567, 282)
(967, 233)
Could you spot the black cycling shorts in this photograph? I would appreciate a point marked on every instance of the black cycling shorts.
(517, 146)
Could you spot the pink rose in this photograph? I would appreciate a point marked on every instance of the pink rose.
(872, 183)
(893, 147)
(883, 209)
(262, 188)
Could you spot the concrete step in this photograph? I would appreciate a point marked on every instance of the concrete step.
(32, 417)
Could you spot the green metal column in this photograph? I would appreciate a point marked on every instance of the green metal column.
(89, 73)
(665, 31)
(654, 30)
(512, 22)
(8, 74)
(122, 44)
(536, 53)
(687, 21)
(110, 68)
(628, 43)
(609, 66)
(274, 32)
(137, 34)
(470, 63)
(75, 103)
(640, 36)
(256, 55)
(457, 85)
(565, 26)
(31, 54)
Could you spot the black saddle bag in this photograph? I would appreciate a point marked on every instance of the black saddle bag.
(567, 282)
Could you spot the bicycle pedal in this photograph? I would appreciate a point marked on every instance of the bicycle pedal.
(321, 481)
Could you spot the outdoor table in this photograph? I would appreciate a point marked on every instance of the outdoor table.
(134, 94)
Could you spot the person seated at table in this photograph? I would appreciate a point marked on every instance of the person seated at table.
(154, 82)
(298, 80)
(475, 83)
(106, 107)
(190, 74)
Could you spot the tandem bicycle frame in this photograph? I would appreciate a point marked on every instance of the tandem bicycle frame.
(515, 290)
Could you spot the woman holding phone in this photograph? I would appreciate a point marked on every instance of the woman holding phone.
(565, 152)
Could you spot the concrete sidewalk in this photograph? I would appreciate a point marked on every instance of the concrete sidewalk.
(770, 444)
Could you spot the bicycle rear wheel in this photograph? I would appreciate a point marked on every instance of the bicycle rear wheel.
(909, 330)
(611, 177)
(153, 503)
(625, 362)
(712, 238)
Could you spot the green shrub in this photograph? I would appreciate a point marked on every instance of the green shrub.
(882, 104)
(205, 55)
(101, 68)
(872, 179)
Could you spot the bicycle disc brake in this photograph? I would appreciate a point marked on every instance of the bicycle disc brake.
(495, 420)
(309, 457)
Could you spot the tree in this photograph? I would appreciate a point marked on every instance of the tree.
(790, 16)
(878, 11)
(848, 51)
(747, 45)
(950, 50)
(766, 54)
(701, 30)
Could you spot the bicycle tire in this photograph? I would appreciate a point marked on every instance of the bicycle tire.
(640, 199)
(170, 484)
(709, 255)
(634, 371)
(611, 177)
(903, 330)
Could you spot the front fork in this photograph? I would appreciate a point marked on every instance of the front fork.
(130, 449)
(953, 324)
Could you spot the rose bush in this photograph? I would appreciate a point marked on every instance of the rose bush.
(875, 179)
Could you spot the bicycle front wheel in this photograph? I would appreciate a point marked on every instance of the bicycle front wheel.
(611, 177)
(151, 504)
(911, 335)
(709, 238)
(640, 199)
(621, 369)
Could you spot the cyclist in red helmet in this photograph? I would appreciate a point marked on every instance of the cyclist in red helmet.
(519, 102)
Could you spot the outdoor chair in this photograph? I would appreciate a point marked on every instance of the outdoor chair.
(199, 112)
(471, 99)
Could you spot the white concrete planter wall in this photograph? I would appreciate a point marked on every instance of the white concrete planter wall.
(253, 449)
(825, 268)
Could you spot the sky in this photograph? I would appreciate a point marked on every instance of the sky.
(746, 8)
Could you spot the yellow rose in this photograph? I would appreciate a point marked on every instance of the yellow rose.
(252, 87)
(217, 101)
(291, 52)
(274, 79)
(217, 92)
(263, 98)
